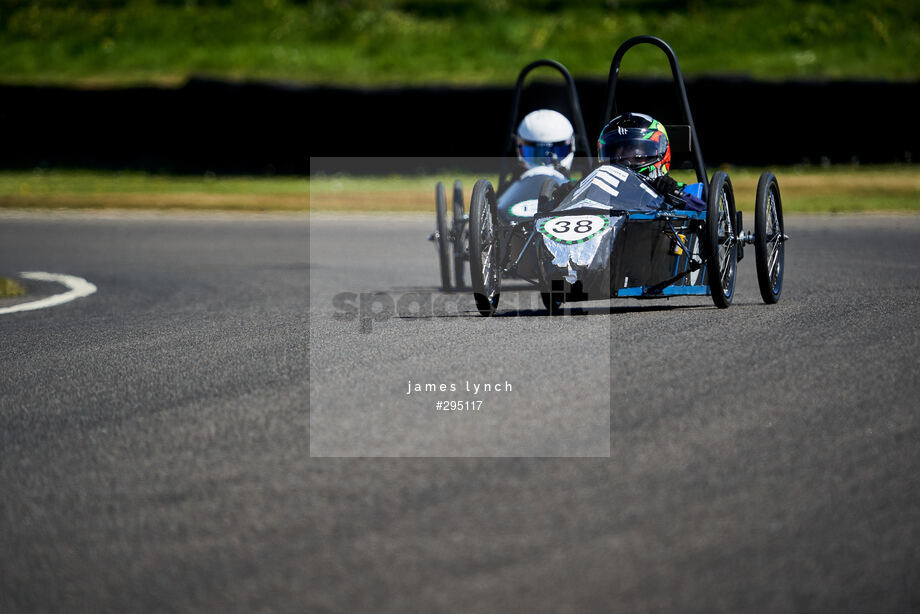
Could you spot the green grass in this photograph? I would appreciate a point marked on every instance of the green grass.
(805, 189)
(477, 41)
(835, 189)
(44, 182)
(135, 190)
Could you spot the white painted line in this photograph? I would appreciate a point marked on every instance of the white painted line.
(78, 288)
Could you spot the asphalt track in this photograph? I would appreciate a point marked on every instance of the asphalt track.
(156, 454)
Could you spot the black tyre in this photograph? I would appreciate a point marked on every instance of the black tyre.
(442, 237)
(769, 240)
(721, 240)
(485, 268)
(460, 236)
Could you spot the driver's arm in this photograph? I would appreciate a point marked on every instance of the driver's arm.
(670, 189)
(666, 185)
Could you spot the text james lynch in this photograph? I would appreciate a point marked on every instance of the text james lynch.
(473, 387)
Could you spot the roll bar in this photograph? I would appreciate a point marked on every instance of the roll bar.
(610, 106)
(581, 135)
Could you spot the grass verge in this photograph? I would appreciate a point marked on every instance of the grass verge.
(134, 190)
(839, 189)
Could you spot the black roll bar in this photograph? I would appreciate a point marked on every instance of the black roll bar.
(581, 135)
(610, 106)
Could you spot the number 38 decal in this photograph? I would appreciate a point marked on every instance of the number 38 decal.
(573, 228)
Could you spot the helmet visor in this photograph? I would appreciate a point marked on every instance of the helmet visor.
(632, 152)
(536, 153)
(632, 147)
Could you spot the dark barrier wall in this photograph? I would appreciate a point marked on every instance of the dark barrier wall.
(256, 128)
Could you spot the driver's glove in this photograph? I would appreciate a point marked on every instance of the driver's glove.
(562, 191)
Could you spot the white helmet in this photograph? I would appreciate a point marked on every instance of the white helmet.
(545, 137)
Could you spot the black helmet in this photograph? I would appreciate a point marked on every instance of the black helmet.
(636, 141)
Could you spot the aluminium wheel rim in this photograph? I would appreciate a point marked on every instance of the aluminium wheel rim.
(726, 237)
(774, 241)
(487, 252)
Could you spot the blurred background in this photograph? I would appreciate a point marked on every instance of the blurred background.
(214, 88)
(472, 42)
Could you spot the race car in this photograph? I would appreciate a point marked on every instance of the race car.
(540, 148)
(614, 235)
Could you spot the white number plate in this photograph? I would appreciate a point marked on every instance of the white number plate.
(573, 228)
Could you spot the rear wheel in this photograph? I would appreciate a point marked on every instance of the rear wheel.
(442, 237)
(485, 268)
(460, 241)
(722, 240)
(769, 239)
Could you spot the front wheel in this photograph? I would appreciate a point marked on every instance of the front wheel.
(722, 240)
(485, 268)
(442, 236)
(769, 239)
